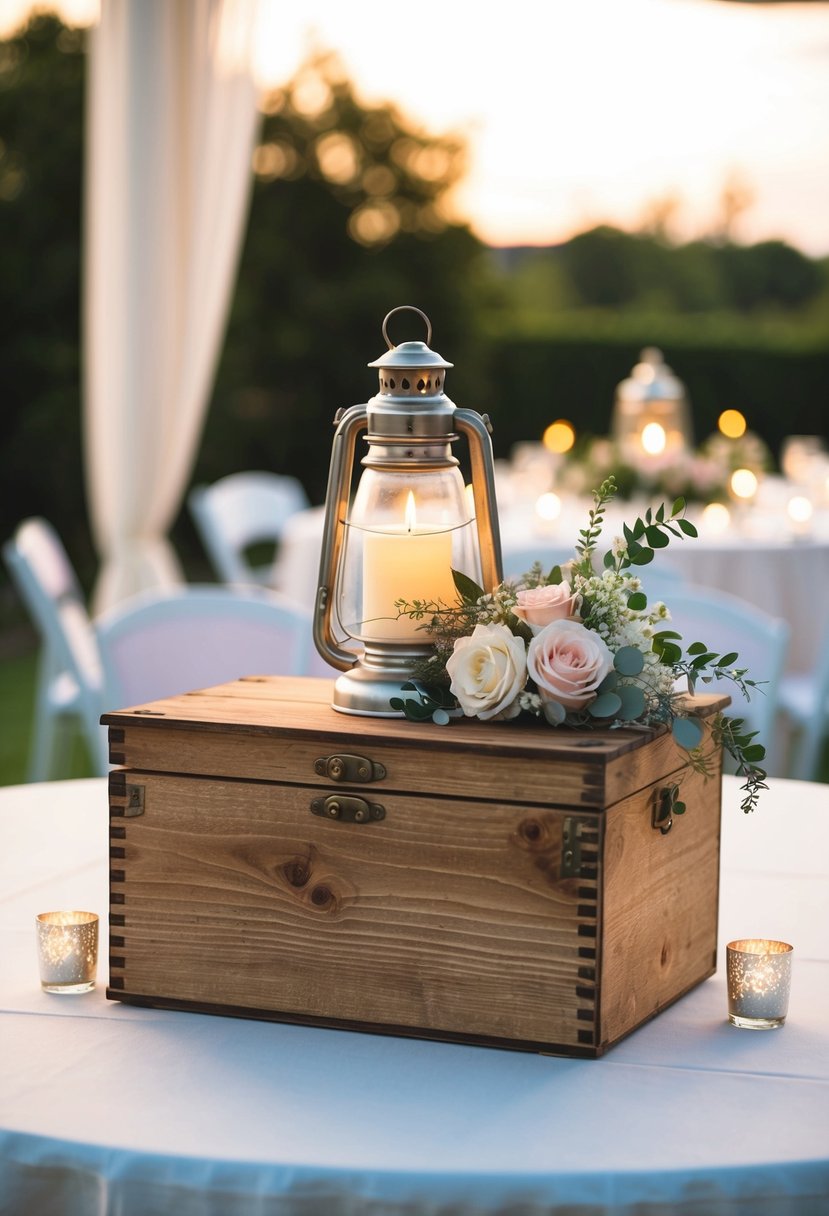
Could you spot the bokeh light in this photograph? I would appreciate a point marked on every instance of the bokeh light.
(548, 506)
(715, 519)
(654, 438)
(559, 436)
(732, 424)
(799, 509)
(743, 483)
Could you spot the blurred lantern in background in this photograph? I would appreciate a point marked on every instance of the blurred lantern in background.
(651, 417)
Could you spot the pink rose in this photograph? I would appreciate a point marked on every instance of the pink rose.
(568, 663)
(538, 606)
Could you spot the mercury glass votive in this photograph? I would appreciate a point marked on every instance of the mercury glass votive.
(759, 980)
(67, 949)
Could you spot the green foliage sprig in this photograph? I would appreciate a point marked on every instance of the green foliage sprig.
(640, 689)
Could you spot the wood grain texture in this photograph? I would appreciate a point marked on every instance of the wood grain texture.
(273, 729)
(235, 894)
(457, 916)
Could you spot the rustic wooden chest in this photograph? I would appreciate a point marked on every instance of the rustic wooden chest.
(501, 885)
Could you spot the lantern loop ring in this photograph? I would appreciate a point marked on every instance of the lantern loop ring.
(406, 308)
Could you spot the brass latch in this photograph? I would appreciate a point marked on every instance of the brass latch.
(355, 769)
(347, 809)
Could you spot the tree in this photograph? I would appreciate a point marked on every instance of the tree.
(349, 219)
(41, 132)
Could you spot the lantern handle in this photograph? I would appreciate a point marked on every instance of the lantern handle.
(406, 308)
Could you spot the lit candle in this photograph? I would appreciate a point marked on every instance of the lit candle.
(654, 439)
(404, 563)
(67, 946)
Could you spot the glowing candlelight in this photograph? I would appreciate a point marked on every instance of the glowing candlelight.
(743, 484)
(548, 507)
(407, 563)
(716, 518)
(654, 439)
(67, 946)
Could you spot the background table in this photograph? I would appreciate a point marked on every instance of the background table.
(110, 1108)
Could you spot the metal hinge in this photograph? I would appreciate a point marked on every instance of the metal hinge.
(579, 842)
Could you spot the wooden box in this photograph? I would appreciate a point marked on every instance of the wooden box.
(493, 884)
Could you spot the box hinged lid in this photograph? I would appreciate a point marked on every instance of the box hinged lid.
(283, 729)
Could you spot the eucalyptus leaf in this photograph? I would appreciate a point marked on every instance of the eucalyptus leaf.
(605, 706)
(633, 702)
(555, 577)
(554, 713)
(687, 527)
(609, 683)
(629, 661)
(687, 732)
(638, 601)
(643, 557)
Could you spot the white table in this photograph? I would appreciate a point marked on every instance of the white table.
(107, 1108)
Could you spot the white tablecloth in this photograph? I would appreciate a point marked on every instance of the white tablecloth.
(110, 1109)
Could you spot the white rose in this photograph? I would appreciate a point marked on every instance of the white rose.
(487, 670)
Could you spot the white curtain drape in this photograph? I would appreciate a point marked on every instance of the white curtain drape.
(171, 123)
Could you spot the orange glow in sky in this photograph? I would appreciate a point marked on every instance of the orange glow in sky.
(578, 112)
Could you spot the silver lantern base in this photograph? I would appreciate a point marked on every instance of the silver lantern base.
(379, 674)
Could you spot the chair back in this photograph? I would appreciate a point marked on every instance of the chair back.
(70, 680)
(726, 623)
(163, 643)
(242, 510)
(804, 705)
(48, 585)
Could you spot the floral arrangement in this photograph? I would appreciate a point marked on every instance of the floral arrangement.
(579, 647)
(698, 475)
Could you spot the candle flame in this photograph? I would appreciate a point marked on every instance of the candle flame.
(411, 513)
(654, 439)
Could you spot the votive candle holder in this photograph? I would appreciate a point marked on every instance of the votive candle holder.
(67, 949)
(758, 972)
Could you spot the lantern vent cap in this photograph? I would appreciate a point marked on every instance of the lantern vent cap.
(651, 379)
(410, 354)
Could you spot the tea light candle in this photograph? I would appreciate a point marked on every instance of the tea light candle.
(759, 979)
(404, 563)
(67, 947)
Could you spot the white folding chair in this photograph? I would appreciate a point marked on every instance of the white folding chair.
(163, 643)
(804, 707)
(240, 511)
(70, 677)
(726, 623)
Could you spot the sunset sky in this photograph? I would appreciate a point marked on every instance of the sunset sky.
(583, 111)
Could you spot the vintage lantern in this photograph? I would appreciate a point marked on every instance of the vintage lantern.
(651, 416)
(407, 527)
